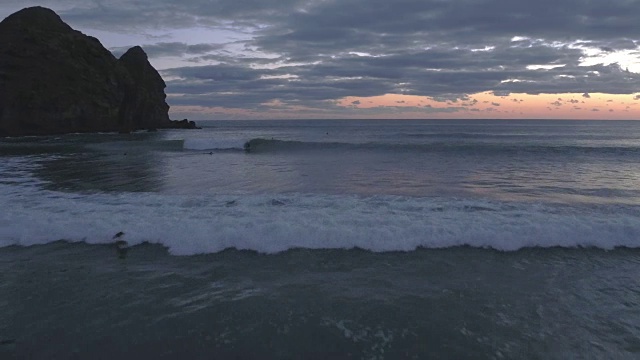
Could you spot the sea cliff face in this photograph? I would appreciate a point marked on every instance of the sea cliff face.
(55, 80)
(144, 102)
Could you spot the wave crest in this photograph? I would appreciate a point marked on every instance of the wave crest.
(189, 225)
(260, 145)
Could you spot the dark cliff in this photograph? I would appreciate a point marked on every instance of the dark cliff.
(55, 80)
(145, 100)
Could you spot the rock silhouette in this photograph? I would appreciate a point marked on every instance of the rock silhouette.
(55, 80)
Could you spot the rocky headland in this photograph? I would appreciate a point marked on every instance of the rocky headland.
(56, 80)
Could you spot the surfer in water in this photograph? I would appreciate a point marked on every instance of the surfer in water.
(121, 245)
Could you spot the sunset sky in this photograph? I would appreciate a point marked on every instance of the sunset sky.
(253, 59)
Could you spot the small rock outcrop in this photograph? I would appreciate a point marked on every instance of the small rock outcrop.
(55, 80)
(184, 124)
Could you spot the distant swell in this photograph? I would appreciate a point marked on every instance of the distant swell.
(189, 225)
(213, 144)
(260, 145)
(266, 145)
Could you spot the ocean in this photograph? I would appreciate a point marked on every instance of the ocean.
(324, 239)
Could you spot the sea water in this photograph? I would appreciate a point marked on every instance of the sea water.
(324, 239)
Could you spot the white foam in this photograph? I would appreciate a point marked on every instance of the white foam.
(204, 224)
(18, 171)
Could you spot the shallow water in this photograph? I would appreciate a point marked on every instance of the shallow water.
(327, 239)
(71, 300)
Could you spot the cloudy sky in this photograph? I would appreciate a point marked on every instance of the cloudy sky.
(246, 59)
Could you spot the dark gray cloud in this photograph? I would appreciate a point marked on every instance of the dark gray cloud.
(312, 53)
(309, 20)
(176, 49)
(454, 77)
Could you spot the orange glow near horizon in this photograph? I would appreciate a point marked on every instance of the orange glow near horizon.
(486, 105)
(513, 106)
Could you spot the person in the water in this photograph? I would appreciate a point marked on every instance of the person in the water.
(121, 245)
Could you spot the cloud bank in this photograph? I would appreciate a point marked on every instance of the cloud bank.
(306, 55)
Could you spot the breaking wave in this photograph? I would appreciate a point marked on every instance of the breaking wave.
(212, 144)
(189, 225)
(261, 145)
